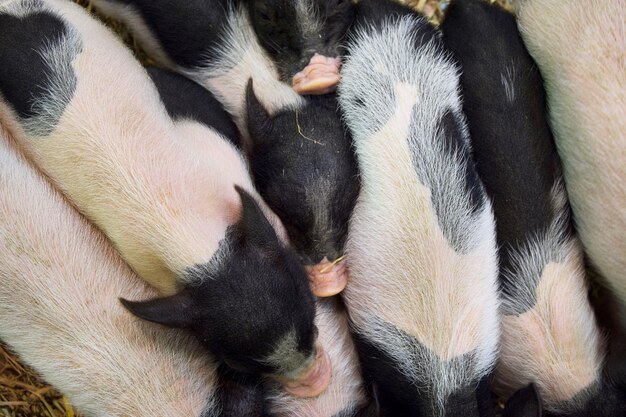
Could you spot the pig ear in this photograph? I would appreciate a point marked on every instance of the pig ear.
(524, 403)
(174, 311)
(256, 228)
(259, 120)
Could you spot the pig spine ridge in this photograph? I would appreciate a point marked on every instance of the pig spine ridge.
(421, 246)
(580, 51)
(59, 283)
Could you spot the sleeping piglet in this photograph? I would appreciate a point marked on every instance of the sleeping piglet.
(299, 150)
(550, 336)
(423, 294)
(172, 193)
(309, 179)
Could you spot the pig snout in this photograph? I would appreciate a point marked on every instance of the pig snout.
(313, 380)
(328, 278)
(321, 76)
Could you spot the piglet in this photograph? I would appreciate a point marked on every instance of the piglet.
(549, 332)
(303, 37)
(423, 293)
(580, 49)
(309, 179)
(300, 154)
(59, 282)
(173, 195)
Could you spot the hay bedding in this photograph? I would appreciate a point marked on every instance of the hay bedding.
(22, 393)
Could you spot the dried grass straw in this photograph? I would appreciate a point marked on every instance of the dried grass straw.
(23, 394)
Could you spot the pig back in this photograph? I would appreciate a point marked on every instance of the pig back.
(421, 246)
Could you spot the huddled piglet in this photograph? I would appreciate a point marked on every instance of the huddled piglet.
(423, 293)
(172, 193)
(345, 395)
(305, 169)
(300, 153)
(550, 337)
(59, 283)
(580, 49)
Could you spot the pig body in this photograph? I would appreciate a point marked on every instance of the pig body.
(422, 297)
(59, 283)
(550, 337)
(580, 53)
(172, 194)
(300, 154)
(345, 396)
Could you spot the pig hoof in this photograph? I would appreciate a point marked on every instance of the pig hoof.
(321, 76)
(328, 278)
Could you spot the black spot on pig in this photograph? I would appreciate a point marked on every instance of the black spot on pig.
(363, 103)
(292, 31)
(187, 32)
(396, 394)
(374, 13)
(606, 399)
(252, 300)
(185, 99)
(305, 169)
(239, 395)
(505, 105)
(401, 396)
(40, 81)
(472, 400)
(456, 141)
